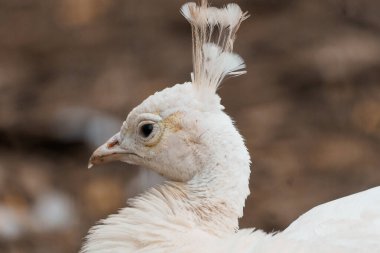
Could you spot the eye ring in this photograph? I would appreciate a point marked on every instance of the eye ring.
(149, 132)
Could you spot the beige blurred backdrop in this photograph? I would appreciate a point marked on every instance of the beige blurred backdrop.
(70, 71)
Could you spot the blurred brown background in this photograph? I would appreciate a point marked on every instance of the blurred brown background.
(70, 71)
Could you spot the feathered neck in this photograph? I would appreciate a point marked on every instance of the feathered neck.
(181, 215)
(210, 203)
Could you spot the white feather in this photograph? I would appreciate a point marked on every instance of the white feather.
(203, 153)
(218, 65)
(214, 32)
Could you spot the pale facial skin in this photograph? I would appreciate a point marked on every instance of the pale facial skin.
(168, 138)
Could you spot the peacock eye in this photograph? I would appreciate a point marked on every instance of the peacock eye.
(146, 130)
(149, 130)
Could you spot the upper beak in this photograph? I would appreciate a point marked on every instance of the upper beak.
(109, 151)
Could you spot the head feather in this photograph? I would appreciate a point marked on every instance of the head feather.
(214, 32)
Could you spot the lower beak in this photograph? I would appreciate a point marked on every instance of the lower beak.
(109, 151)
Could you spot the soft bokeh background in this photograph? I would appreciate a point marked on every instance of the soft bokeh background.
(70, 71)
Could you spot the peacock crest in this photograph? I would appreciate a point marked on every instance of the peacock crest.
(213, 35)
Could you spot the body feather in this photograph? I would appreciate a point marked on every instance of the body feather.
(201, 151)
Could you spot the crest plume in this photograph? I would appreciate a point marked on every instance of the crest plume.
(214, 32)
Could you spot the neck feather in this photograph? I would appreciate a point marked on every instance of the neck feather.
(211, 202)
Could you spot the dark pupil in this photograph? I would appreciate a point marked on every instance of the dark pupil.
(146, 129)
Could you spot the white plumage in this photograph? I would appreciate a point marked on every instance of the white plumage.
(183, 134)
(214, 32)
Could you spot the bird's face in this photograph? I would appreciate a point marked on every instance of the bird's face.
(164, 134)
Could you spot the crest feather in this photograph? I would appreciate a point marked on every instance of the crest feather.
(214, 32)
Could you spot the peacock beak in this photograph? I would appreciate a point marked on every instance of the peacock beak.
(109, 151)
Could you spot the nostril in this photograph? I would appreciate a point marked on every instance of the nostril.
(113, 143)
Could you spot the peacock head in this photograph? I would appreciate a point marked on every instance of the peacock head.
(168, 132)
(175, 131)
